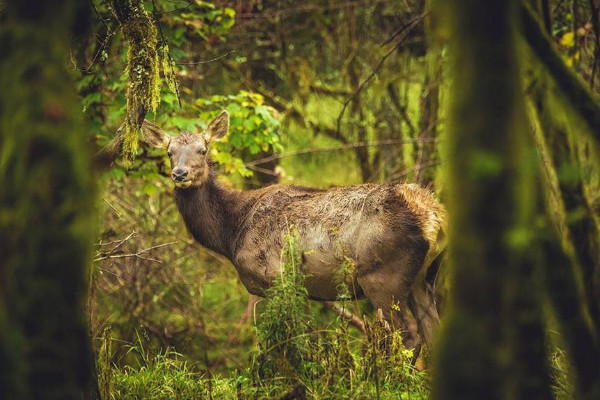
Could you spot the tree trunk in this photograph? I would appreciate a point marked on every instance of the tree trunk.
(491, 346)
(573, 217)
(46, 206)
(428, 120)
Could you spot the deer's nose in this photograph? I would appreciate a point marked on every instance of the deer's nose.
(179, 174)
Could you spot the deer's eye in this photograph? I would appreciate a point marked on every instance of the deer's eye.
(169, 153)
(202, 151)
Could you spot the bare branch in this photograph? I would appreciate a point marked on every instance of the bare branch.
(206, 61)
(413, 169)
(387, 142)
(139, 254)
(411, 26)
(347, 315)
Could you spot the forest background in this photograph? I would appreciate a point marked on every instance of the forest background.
(320, 93)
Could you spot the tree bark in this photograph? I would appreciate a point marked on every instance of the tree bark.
(491, 346)
(427, 147)
(574, 218)
(585, 103)
(46, 206)
(577, 214)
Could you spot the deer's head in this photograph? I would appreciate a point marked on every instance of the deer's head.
(188, 151)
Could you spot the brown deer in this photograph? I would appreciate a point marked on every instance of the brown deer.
(393, 232)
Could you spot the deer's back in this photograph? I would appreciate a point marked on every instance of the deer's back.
(369, 224)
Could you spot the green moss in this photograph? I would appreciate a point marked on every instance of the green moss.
(143, 94)
(168, 67)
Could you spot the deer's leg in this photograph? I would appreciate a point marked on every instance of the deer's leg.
(423, 308)
(388, 290)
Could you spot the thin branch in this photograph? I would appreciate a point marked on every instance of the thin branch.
(328, 90)
(138, 254)
(207, 61)
(401, 109)
(120, 243)
(262, 170)
(116, 241)
(413, 169)
(418, 18)
(347, 315)
(386, 142)
(360, 87)
(286, 107)
(99, 15)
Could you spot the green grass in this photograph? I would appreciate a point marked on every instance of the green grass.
(166, 376)
(293, 353)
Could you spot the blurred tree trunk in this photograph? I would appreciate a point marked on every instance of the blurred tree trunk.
(576, 217)
(492, 345)
(581, 225)
(46, 206)
(574, 221)
(428, 120)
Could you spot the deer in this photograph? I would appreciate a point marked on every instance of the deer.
(394, 233)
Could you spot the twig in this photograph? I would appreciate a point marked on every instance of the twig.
(207, 61)
(245, 317)
(413, 169)
(418, 18)
(347, 315)
(138, 254)
(98, 15)
(335, 148)
(401, 109)
(262, 170)
(113, 241)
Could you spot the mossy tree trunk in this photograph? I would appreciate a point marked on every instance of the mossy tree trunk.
(491, 346)
(143, 93)
(559, 104)
(428, 120)
(573, 217)
(580, 224)
(46, 206)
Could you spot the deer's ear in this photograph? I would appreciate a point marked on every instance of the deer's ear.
(154, 136)
(217, 128)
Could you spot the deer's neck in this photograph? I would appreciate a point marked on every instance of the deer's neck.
(213, 214)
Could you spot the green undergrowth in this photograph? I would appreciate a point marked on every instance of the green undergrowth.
(294, 356)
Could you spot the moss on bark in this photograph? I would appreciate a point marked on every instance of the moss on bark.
(143, 94)
(492, 341)
(46, 206)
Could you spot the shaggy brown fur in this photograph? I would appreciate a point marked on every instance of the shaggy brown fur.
(393, 232)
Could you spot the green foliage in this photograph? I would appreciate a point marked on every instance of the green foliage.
(165, 376)
(283, 326)
(562, 384)
(291, 355)
(206, 21)
(106, 91)
(254, 127)
(306, 65)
